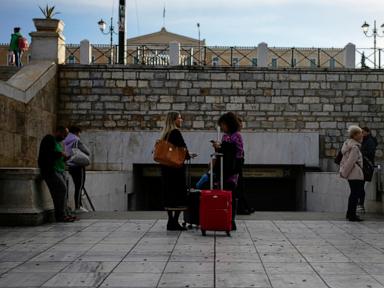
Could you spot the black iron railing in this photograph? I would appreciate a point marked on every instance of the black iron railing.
(306, 57)
(366, 59)
(72, 53)
(104, 54)
(232, 56)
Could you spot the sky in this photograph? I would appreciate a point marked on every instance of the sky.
(287, 23)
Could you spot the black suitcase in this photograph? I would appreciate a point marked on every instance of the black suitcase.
(191, 215)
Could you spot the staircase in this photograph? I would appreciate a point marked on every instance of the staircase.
(7, 72)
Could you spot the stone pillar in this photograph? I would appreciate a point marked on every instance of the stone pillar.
(24, 198)
(48, 42)
(349, 60)
(174, 53)
(262, 55)
(85, 52)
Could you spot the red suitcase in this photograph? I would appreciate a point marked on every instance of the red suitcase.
(216, 205)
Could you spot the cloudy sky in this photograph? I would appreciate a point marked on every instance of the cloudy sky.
(304, 23)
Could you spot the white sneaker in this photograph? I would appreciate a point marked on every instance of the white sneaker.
(81, 210)
(360, 210)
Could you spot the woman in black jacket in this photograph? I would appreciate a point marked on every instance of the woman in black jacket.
(174, 179)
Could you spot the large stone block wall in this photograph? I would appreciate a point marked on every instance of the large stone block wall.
(125, 98)
(22, 126)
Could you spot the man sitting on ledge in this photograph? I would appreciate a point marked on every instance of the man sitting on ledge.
(52, 166)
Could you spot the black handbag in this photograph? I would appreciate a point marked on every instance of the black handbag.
(368, 169)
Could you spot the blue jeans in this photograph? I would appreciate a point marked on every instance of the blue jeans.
(18, 54)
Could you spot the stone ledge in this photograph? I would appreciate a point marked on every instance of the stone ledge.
(24, 198)
(28, 81)
(26, 219)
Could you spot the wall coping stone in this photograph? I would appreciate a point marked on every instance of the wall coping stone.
(28, 81)
(112, 67)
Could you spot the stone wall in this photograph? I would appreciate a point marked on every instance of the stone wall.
(22, 126)
(136, 98)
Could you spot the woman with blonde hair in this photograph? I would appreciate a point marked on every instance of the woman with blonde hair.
(174, 181)
(351, 168)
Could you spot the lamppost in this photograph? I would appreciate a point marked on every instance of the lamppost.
(198, 31)
(110, 31)
(374, 34)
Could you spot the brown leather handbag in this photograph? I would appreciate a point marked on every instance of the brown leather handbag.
(168, 154)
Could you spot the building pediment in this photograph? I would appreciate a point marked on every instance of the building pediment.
(163, 37)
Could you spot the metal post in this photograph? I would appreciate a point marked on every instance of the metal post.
(205, 55)
(292, 57)
(231, 56)
(374, 43)
(318, 57)
(221, 157)
(122, 32)
(198, 27)
(137, 56)
(111, 41)
(142, 55)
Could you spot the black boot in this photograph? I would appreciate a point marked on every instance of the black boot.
(170, 224)
(355, 219)
(234, 227)
(176, 223)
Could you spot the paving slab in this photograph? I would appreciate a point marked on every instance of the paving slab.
(76, 280)
(280, 252)
(135, 280)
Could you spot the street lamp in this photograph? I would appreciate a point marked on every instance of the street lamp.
(374, 34)
(198, 30)
(110, 31)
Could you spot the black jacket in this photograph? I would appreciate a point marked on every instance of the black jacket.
(231, 164)
(368, 147)
(47, 154)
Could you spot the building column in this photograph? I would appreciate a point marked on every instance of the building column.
(85, 52)
(262, 55)
(48, 42)
(174, 53)
(349, 60)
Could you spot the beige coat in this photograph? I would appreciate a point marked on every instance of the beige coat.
(352, 162)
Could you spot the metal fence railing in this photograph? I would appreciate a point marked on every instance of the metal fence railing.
(230, 56)
(104, 53)
(369, 58)
(306, 57)
(224, 56)
(156, 55)
(72, 53)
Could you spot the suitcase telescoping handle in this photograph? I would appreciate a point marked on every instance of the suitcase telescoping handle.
(217, 156)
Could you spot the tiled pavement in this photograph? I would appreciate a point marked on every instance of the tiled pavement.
(140, 253)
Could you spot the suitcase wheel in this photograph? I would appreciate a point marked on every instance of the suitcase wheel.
(203, 232)
(228, 233)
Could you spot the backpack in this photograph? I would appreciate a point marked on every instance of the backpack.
(338, 158)
(23, 43)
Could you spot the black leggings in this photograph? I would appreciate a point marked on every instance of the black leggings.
(232, 187)
(56, 183)
(78, 176)
(357, 191)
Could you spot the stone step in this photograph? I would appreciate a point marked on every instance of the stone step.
(7, 72)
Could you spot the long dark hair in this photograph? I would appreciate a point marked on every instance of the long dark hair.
(231, 120)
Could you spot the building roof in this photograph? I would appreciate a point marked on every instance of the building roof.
(163, 37)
